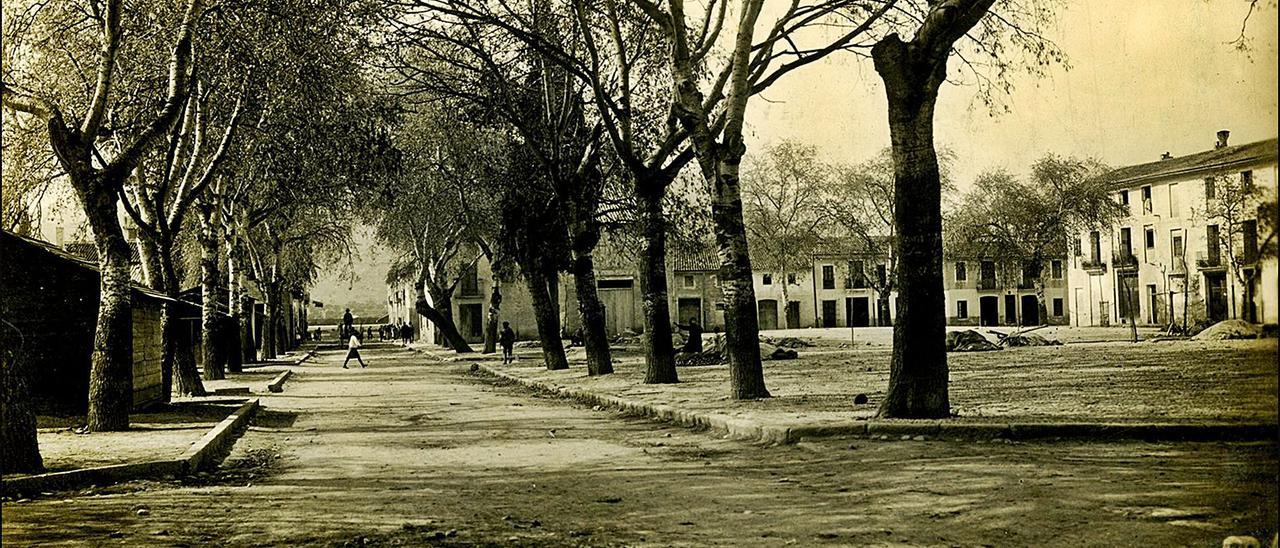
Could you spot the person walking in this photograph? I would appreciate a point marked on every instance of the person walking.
(694, 343)
(353, 350)
(508, 341)
(404, 333)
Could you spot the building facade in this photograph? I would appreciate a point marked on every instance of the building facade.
(985, 292)
(1189, 247)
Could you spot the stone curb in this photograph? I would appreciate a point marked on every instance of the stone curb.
(200, 455)
(277, 384)
(746, 429)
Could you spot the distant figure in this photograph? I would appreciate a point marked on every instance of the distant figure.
(368, 332)
(508, 341)
(347, 319)
(406, 333)
(317, 333)
(693, 344)
(353, 350)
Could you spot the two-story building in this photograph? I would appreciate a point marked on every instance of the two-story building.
(986, 292)
(1176, 256)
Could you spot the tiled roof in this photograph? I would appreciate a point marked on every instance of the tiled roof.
(1218, 159)
(693, 261)
(89, 251)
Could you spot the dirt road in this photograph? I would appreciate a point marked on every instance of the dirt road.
(412, 451)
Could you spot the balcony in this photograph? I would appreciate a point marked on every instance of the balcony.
(1123, 260)
(1209, 261)
(987, 284)
(1094, 267)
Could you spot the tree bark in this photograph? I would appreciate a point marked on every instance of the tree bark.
(210, 327)
(546, 314)
(742, 327)
(591, 313)
(918, 372)
(177, 350)
(267, 350)
(440, 315)
(111, 369)
(491, 321)
(19, 446)
(659, 356)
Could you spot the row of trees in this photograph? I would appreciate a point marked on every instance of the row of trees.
(592, 109)
(230, 134)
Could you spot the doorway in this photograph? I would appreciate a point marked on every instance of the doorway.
(689, 309)
(793, 314)
(1011, 310)
(855, 309)
(1216, 289)
(470, 317)
(989, 310)
(767, 313)
(1030, 310)
(828, 313)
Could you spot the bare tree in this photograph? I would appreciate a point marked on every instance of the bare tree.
(783, 209)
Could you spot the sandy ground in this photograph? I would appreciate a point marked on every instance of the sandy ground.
(159, 433)
(1172, 381)
(410, 449)
(883, 336)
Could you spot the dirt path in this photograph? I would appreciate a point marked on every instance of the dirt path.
(409, 448)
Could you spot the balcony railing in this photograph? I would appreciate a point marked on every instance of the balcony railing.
(1123, 260)
(1093, 267)
(987, 283)
(1208, 261)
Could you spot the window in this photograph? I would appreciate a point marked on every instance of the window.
(961, 273)
(1209, 188)
(962, 309)
(1146, 199)
(1124, 197)
(1175, 239)
(881, 275)
(1079, 247)
(1055, 269)
(857, 272)
(1126, 242)
(1095, 247)
(690, 282)
(1150, 236)
(1212, 245)
(1246, 180)
(791, 279)
(1057, 307)
(828, 276)
(470, 284)
(1174, 205)
(1249, 230)
(766, 279)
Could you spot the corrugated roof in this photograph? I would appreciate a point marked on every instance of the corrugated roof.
(77, 261)
(1218, 159)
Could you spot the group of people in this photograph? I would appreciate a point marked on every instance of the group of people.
(390, 332)
(404, 333)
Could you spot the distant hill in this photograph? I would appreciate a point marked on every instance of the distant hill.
(360, 286)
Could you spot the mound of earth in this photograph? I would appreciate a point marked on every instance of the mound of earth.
(787, 342)
(1028, 339)
(1229, 329)
(968, 341)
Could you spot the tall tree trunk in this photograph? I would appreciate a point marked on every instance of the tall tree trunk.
(111, 369)
(19, 446)
(546, 314)
(591, 312)
(659, 356)
(210, 333)
(150, 254)
(177, 340)
(742, 327)
(918, 371)
(439, 311)
(491, 321)
(236, 335)
(267, 349)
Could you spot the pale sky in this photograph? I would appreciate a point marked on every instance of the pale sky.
(1152, 77)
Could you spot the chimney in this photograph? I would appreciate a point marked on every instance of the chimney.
(1166, 156)
(1222, 138)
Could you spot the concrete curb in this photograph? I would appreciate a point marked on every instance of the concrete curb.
(201, 454)
(277, 384)
(746, 429)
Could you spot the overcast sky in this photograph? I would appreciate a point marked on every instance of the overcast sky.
(1155, 76)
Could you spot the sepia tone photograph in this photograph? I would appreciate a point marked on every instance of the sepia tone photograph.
(613, 273)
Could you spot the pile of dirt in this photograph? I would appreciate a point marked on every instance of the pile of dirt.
(527, 344)
(1028, 339)
(706, 357)
(1229, 329)
(787, 342)
(771, 352)
(968, 341)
